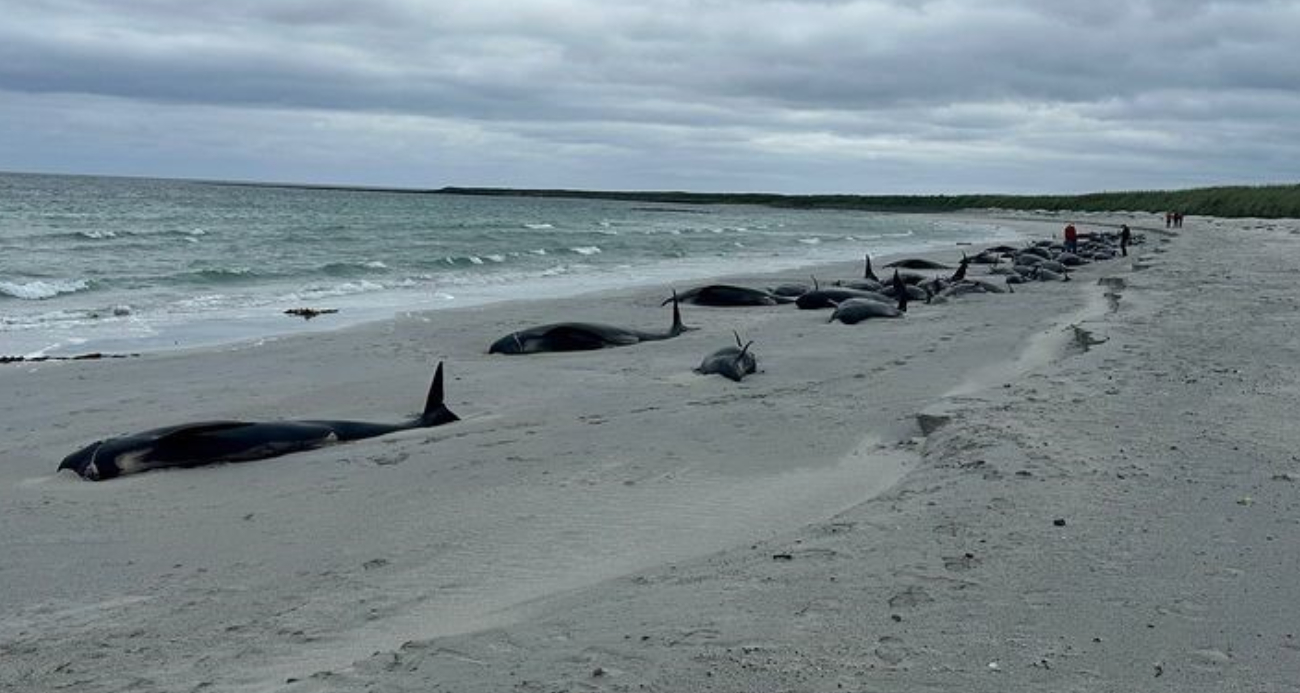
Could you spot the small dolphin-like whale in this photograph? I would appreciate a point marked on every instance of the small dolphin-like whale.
(209, 442)
(726, 295)
(582, 336)
(855, 310)
(918, 264)
(790, 290)
(820, 298)
(731, 362)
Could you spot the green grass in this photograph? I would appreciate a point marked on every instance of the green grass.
(1266, 201)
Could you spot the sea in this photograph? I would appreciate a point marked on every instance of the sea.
(127, 265)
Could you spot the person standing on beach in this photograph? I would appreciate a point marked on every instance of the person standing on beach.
(1169, 219)
(1125, 237)
(1071, 238)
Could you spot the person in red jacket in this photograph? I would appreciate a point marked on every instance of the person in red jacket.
(1071, 238)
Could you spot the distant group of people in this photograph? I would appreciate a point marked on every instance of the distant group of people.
(1125, 237)
(1173, 220)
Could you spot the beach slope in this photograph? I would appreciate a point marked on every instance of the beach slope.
(1080, 486)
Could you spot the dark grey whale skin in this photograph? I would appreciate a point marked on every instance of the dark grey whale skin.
(210, 442)
(581, 336)
(727, 295)
(733, 362)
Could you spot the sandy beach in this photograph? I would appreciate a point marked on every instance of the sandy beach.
(1082, 486)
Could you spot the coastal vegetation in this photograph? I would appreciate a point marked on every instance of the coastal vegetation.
(1265, 201)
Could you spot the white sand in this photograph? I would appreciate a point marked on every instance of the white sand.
(612, 521)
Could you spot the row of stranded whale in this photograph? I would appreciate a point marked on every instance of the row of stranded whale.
(851, 302)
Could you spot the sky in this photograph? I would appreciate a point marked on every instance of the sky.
(787, 96)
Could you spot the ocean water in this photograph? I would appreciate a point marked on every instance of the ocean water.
(125, 264)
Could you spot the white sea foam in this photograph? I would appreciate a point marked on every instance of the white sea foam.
(810, 241)
(495, 258)
(586, 250)
(41, 289)
(336, 290)
(540, 226)
(375, 264)
(202, 301)
(97, 234)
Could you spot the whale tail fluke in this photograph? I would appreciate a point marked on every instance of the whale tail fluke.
(436, 412)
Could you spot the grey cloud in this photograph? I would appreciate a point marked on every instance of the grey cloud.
(656, 89)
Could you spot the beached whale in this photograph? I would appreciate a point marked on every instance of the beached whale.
(209, 442)
(582, 336)
(855, 310)
(790, 290)
(726, 295)
(818, 299)
(918, 264)
(731, 362)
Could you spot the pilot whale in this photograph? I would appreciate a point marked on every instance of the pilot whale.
(724, 295)
(582, 336)
(730, 362)
(209, 442)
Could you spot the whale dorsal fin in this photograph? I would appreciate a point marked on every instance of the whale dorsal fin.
(435, 412)
(867, 272)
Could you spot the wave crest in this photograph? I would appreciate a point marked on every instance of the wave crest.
(41, 289)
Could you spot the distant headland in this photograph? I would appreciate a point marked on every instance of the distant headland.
(1266, 201)
(1263, 201)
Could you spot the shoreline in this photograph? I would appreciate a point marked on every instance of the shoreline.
(232, 325)
(610, 519)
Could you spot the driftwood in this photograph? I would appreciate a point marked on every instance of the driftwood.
(309, 313)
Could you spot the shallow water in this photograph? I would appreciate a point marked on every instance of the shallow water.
(120, 264)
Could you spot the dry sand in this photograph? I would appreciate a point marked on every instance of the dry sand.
(1106, 499)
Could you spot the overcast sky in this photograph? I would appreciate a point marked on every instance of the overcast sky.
(798, 96)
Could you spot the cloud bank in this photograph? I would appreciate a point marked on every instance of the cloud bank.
(871, 96)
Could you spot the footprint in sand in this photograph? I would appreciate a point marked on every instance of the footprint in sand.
(913, 596)
(964, 562)
(892, 650)
(1210, 659)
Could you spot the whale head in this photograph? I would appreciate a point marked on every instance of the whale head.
(105, 459)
